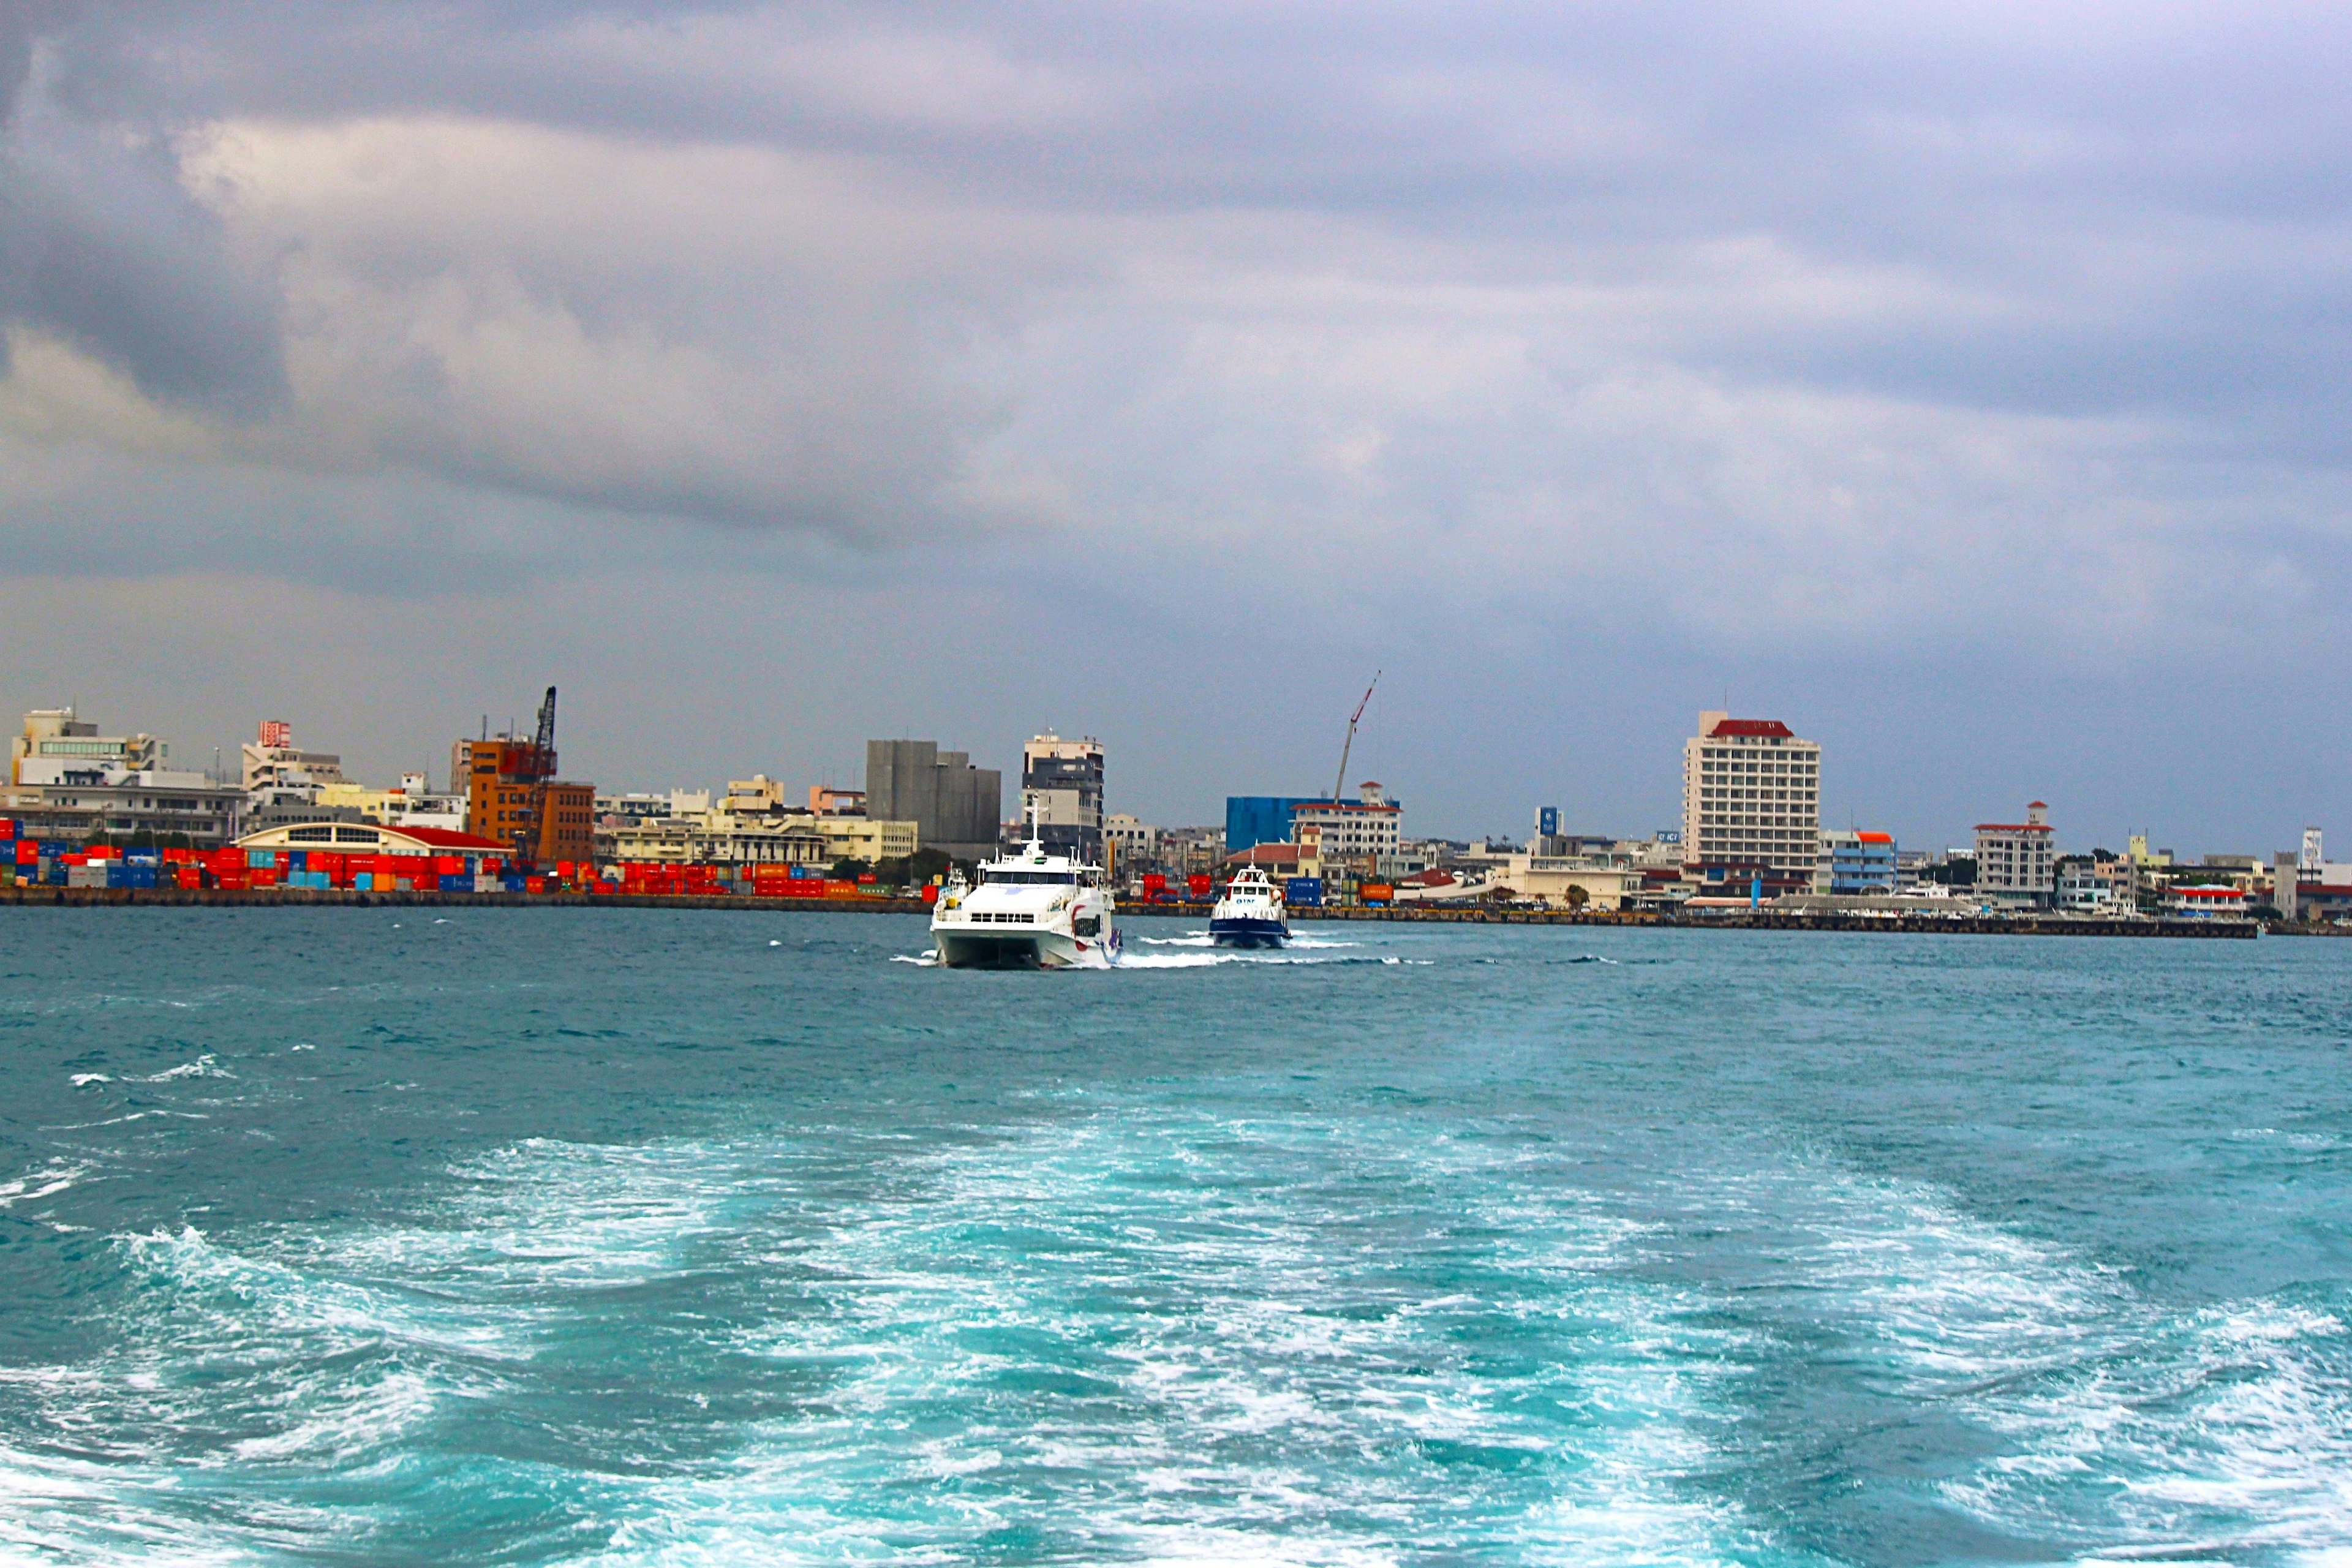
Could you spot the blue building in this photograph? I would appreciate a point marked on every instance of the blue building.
(1858, 863)
(1254, 819)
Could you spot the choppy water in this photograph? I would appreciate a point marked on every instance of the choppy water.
(619, 1236)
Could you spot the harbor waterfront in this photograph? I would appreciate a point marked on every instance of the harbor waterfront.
(1757, 919)
(416, 1234)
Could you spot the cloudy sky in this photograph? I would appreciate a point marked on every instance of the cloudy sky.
(1964, 384)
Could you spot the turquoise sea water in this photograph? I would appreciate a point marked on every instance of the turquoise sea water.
(624, 1237)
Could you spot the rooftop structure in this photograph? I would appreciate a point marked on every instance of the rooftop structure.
(56, 733)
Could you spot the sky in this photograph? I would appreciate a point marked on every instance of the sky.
(1962, 384)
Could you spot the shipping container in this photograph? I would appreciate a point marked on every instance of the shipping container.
(189, 876)
(1306, 891)
(1199, 887)
(27, 852)
(7, 828)
(1375, 893)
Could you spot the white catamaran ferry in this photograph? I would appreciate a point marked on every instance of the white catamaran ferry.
(1029, 910)
(1251, 915)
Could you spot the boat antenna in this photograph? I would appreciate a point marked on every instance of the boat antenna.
(1348, 745)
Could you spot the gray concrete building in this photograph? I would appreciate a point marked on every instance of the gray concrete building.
(956, 808)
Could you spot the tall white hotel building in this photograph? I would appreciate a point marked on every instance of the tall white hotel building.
(1751, 802)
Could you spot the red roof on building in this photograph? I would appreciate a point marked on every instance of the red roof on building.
(455, 843)
(2037, 806)
(1767, 727)
(1875, 837)
(1264, 855)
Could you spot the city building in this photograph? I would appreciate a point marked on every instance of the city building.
(56, 734)
(514, 797)
(2089, 886)
(2206, 902)
(716, 838)
(272, 761)
(1562, 882)
(956, 808)
(1064, 781)
(1134, 843)
(371, 838)
(1364, 829)
(1254, 819)
(823, 800)
(1751, 805)
(621, 810)
(759, 802)
(2016, 862)
(1856, 863)
(80, 800)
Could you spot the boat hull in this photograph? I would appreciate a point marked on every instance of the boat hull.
(969, 948)
(1247, 932)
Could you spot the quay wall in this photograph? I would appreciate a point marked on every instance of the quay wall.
(1760, 919)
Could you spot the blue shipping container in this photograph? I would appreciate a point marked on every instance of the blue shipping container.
(517, 882)
(363, 882)
(260, 858)
(141, 876)
(1307, 890)
(297, 859)
(457, 884)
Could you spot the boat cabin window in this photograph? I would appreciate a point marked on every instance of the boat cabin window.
(1063, 879)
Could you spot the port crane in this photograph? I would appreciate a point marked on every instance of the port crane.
(542, 768)
(1345, 747)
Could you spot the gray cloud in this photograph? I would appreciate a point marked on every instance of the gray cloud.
(101, 247)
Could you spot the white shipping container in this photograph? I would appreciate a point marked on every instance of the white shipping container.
(85, 876)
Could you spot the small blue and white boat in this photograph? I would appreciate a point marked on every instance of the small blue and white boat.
(1251, 915)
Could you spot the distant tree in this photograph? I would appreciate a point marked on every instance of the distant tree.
(1576, 896)
(848, 868)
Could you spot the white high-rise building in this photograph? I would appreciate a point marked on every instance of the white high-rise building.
(2017, 861)
(1751, 802)
(271, 760)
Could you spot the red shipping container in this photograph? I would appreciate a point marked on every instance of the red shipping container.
(262, 876)
(230, 881)
(931, 893)
(189, 876)
(75, 859)
(1199, 886)
(7, 828)
(28, 852)
(535, 884)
